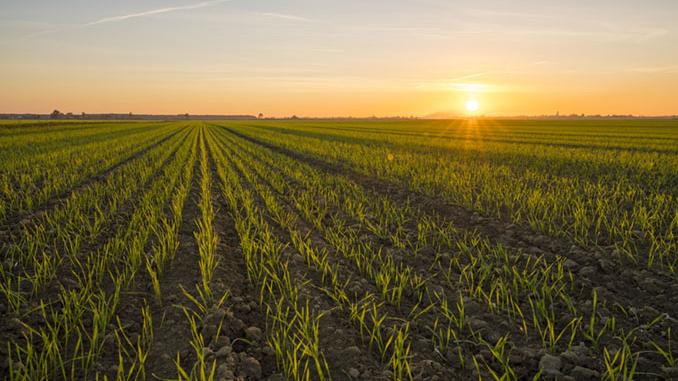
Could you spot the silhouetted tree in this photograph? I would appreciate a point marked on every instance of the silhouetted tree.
(55, 114)
(261, 116)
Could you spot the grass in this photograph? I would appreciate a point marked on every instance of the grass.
(456, 243)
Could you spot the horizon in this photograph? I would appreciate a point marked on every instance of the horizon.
(303, 58)
(68, 115)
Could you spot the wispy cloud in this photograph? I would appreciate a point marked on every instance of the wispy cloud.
(117, 19)
(505, 14)
(468, 76)
(462, 87)
(654, 69)
(155, 12)
(474, 83)
(284, 16)
(393, 28)
(328, 50)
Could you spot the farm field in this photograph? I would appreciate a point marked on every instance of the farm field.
(342, 250)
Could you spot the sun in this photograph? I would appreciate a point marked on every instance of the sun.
(472, 105)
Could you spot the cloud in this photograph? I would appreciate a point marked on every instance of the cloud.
(328, 50)
(155, 12)
(284, 16)
(467, 84)
(115, 19)
(504, 14)
(468, 76)
(654, 69)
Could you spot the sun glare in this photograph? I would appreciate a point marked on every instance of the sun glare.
(472, 105)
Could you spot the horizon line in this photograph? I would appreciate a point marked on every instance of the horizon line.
(430, 116)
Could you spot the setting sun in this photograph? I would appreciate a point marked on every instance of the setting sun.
(472, 105)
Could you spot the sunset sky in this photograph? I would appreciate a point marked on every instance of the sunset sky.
(331, 58)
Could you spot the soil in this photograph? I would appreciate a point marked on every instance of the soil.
(235, 332)
(633, 293)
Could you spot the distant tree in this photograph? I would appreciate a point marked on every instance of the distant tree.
(294, 117)
(55, 114)
(260, 116)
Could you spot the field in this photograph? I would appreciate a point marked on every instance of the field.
(344, 250)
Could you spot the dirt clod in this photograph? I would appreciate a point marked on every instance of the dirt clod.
(251, 368)
(224, 351)
(253, 333)
(351, 352)
(584, 374)
(354, 373)
(550, 364)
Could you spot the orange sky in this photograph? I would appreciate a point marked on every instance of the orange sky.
(305, 58)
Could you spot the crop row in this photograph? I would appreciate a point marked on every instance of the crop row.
(30, 176)
(97, 243)
(610, 211)
(535, 294)
(369, 252)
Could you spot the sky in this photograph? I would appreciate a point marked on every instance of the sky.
(340, 58)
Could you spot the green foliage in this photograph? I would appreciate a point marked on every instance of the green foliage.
(348, 224)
